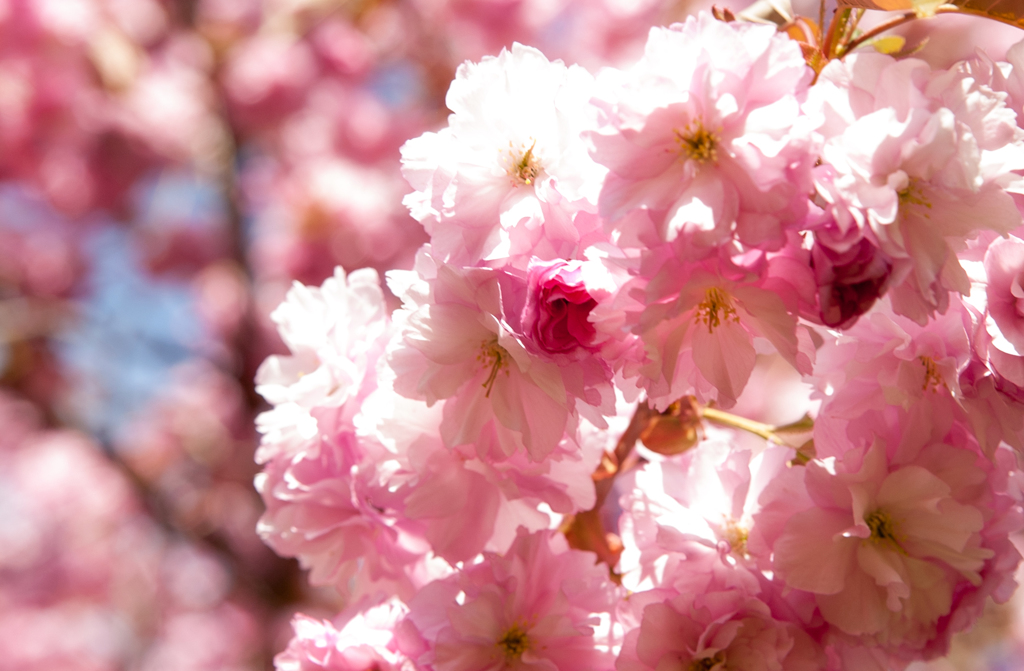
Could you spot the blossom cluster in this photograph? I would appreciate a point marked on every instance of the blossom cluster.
(88, 580)
(609, 255)
(169, 167)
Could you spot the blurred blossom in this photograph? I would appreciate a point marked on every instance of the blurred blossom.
(190, 445)
(222, 299)
(88, 580)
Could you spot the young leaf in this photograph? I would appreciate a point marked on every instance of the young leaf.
(890, 44)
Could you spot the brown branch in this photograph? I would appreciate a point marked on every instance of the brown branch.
(585, 530)
(24, 317)
(876, 31)
(821, 19)
(838, 18)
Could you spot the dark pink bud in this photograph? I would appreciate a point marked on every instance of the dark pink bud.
(848, 282)
(558, 305)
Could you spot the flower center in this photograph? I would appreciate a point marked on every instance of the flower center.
(697, 142)
(736, 534)
(493, 356)
(523, 166)
(883, 527)
(932, 376)
(716, 306)
(708, 663)
(514, 643)
(912, 194)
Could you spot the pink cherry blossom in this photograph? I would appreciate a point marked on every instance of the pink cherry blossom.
(701, 134)
(507, 177)
(993, 381)
(458, 344)
(707, 615)
(337, 516)
(363, 644)
(895, 541)
(1004, 268)
(708, 495)
(698, 321)
(463, 504)
(849, 281)
(335, 333)
(993, 407)
(885, 362)
(538, 606)
(916, 160)
(458, 503)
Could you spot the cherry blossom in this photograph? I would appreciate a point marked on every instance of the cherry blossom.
(708, 616)
(364, 643)
(698, 321)
(558, 308)
(900, 527)
(708, 146)
(506, 178)
(538, 605)
(335, 333)
(457, 344)
(913, 159)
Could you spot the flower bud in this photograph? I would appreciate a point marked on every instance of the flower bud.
(558, 305)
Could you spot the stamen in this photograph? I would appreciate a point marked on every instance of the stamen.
(698, 143)
(495, 357)
(932, 377)
(912, 195)
(735, 534)
(514, 643)
(883, 529)
(708, 663)
(716, 306)
(525, 168)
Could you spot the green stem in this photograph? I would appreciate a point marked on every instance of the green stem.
(851, 28)
(717, 416)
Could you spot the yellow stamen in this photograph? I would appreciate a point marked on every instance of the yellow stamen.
(735, 534)
(912, 195)
(495, 357)
(698, 143)
(716, 306)
(932, 377)
(514, 643)
(525, 169)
